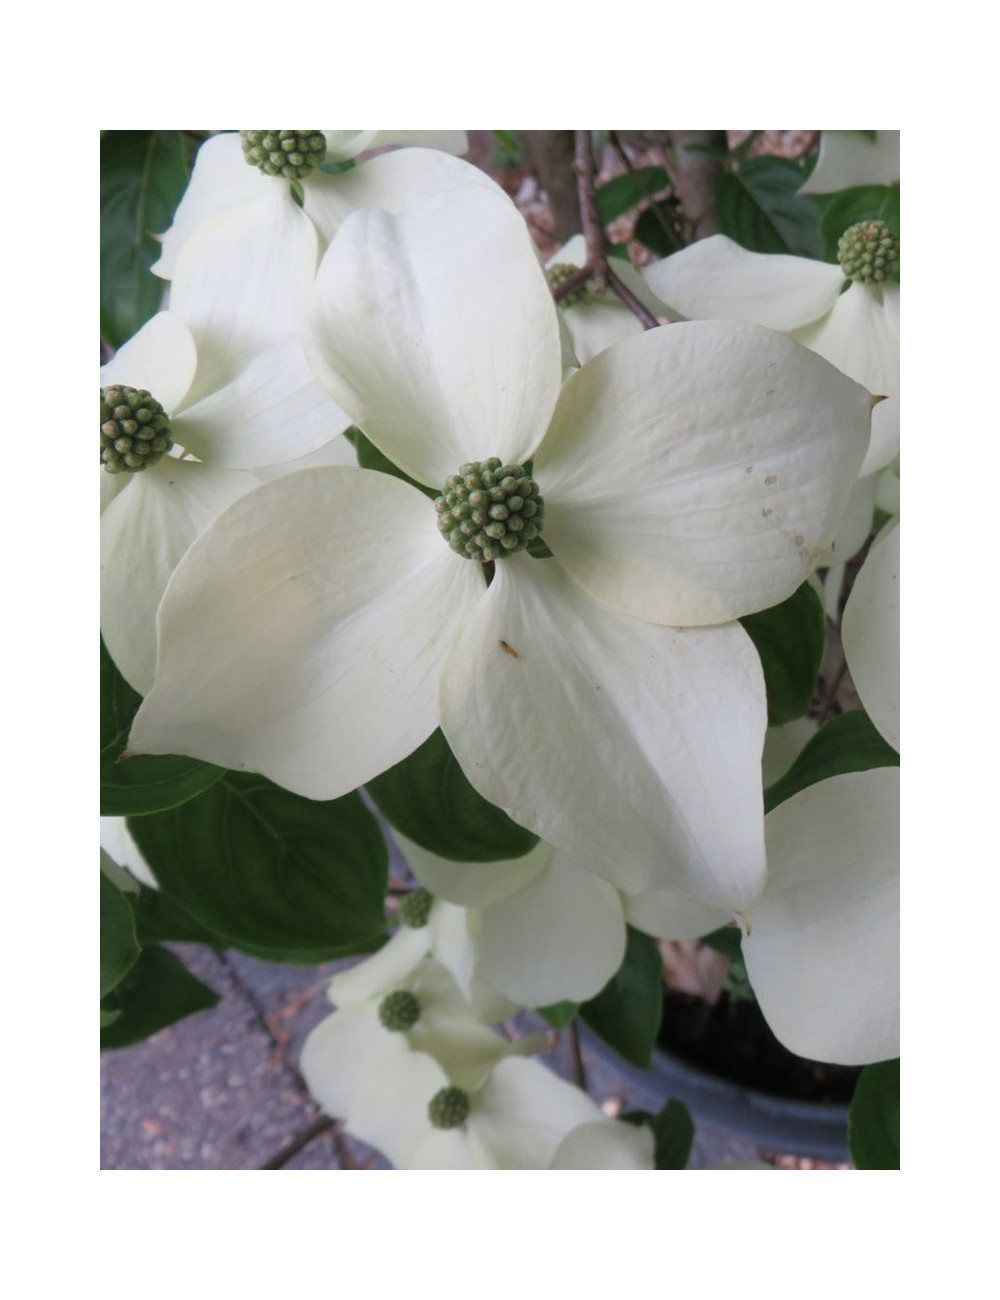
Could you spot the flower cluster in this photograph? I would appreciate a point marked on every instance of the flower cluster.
(365, 480)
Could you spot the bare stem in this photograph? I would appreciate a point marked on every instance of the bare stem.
(579, 1072)
(318, 1126)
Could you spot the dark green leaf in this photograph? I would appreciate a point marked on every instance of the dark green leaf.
(625, 192)
(848, 743)
(157, 991)
(559, 1014)
(627, 1011)
(509, 152)
(429, 799)
(863, 203)
(143, 175)
(728, 941)
(673, 1129)
(369, 457)
(159, 918)
(119, 944)
(790, 639)
(270, 872)
(758, 206)
(873, 1120)
(108, 1017)
(144, 783)
(650, 232)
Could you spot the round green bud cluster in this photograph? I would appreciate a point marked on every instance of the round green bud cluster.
(416, 908)
(399, 1011)
(292, 154)
(868, 251)
(558, 274)
(135, 431)
(488, 510)
(449, 1107)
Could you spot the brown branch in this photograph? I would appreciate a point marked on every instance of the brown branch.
(668, 230)
(597, 267)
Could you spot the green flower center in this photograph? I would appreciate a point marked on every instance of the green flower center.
(448, 1108)
(135, 431)
(416, 908)
(558, 274)
(292, 154)
(488, 510)
(868, 251)
(399, 1011)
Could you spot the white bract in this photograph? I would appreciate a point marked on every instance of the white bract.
(548, 930)
(605, 698)
(870, 632)
(383, 1015)
(606, 1144)
(823, 953)
(854, 324)
(242, 253)
(515, 1119)
(270, 410)
(851, 158)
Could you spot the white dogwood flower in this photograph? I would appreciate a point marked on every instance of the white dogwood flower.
(606, 1144)
(605, 698)
(242, 253)
(409, 1109)
(847, 312)
(156, 502)
(421, 1010)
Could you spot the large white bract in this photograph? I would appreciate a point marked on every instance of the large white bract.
(856, 328)
(605, 698)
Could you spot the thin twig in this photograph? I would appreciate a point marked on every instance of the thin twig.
(649, 321)
(579, 1073)
(593, 234)
(831, 695)
(318, 1126)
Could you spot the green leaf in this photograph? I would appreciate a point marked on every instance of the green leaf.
(673, 1130)
(758, 206)
(848, 743)
(159, 918)
(270, 872)
(429, 799)
(559, 1014)
(873, 1120)
(863, 203)
(728, 941)
(119, 943)
(790, 639)
(369, 457)
(144, 783)
(627, 1011)
(108, 1017)
(649, 231)
(157, 991)
(143, 175)
(623, 193)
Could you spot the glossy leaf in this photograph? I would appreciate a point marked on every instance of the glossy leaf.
(270, 872)
(873, 1120)
(848, 743)
(759, 207)
(158, 991)
(143, 175)
(623, 193)
(119, 944)
(144, 783)
(673, 1129)
(790, 639)
(650, 232)
(559, 1014)
(428, 798)
(863, 203)
(627, 1011)
(159, 918)
(727, 940)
